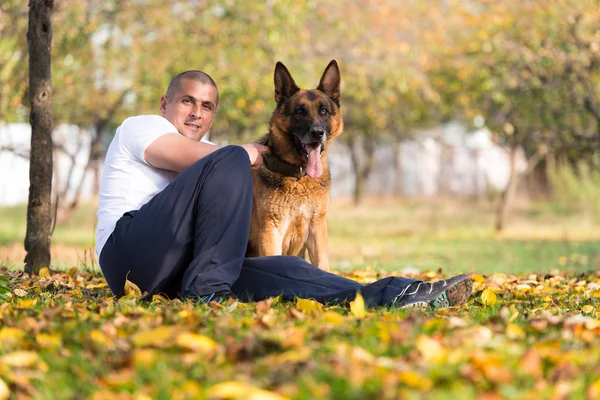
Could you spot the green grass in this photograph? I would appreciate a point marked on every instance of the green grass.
(68, 338)
(454, 235)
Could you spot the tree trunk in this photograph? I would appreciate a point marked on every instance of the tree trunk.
(508, 192)
(39, 38)
(362, 168)
(513, 182)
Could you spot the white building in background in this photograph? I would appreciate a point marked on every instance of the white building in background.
(15, 142)
(446, 161)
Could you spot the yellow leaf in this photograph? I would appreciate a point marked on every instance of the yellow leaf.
(357, 307)
(4, 390)
(158, 337)
(26, 303)
(431, 350)
(308, 306)
(48, 341)
(241, 390)
(132, 291)
(157, 298)
(333, 318)
(100, 338)
(489, 298)
(514, 332)
(20, 359)
(478, 278)
(593, 390)
(144, 358)
(11, 337)
(195, 342)
(44, 272)
(414, 381)
(588, 309)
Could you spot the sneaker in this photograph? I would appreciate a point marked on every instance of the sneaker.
(218, 297)
(452, 292)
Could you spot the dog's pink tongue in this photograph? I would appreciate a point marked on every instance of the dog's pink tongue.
(314, 169)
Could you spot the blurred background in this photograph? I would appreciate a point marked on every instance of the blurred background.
(471, 126)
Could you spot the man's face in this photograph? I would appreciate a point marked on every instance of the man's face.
(191, 109)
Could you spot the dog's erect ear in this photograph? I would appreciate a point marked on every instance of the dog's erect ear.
(330, 82)
(285, 87)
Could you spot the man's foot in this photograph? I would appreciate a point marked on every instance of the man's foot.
(218, 297)
(452, 292)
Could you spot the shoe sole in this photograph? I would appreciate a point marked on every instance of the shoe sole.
(456, 294)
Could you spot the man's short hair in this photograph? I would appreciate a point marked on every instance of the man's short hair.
(193, 75)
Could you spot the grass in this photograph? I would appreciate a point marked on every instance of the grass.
(64, 336)
(392, 235)
(530, 330)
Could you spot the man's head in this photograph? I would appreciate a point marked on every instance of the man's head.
(191, 103)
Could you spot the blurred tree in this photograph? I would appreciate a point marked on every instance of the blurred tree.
(13, 59)
(385, 93)
(529, 68)
(39, 230)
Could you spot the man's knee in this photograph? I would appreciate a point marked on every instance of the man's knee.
(235, 155)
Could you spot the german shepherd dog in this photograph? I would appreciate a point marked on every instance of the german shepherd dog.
(291, 188)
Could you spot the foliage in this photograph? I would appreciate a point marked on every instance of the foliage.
(4, 289)
(63, 335)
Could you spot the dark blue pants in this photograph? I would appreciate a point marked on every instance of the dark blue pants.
(190, 240)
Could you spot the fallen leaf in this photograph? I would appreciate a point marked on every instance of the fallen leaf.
(20, 292)
(158, 337)
(357, 307)
(488, 297)
(514, 332)
(198, 343)
(132, 291)
(431, 349)
(241, 390)
(308, 306)
(20, 359)
(4, 390)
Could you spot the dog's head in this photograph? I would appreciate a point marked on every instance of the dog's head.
(306, 121)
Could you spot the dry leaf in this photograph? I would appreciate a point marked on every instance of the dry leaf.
(357, 307)
(241, 390)
(431, 350)
(158, 337)
(132, 291)
(308, 306)
(4, 390)
(489, 298)
(199, 343)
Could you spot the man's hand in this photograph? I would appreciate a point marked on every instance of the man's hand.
(255, 152)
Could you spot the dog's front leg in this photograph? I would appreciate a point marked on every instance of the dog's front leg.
(270, 242)
(317, 243)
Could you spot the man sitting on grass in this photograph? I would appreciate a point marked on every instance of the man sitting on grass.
(174, 217)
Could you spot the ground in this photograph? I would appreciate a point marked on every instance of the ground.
(530, 329)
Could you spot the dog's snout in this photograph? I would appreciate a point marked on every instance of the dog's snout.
(317, 132)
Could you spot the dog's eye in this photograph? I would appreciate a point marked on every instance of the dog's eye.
(299, 111)
(323, 111)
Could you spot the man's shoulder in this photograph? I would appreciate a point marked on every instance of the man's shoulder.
(149, 119)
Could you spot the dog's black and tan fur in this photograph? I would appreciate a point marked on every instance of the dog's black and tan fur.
(291, 188)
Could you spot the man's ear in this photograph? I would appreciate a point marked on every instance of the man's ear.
(330, 82)
(285, 87)
(163, 104)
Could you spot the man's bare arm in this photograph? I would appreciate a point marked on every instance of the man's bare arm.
(175, 152)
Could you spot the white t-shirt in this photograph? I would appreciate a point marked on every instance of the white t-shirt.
(128, 181)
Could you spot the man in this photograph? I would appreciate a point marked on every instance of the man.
(174, 217)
